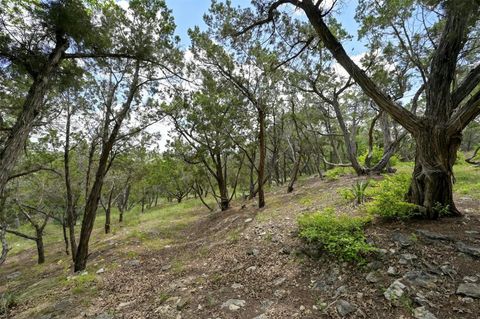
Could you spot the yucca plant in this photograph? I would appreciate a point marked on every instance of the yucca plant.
(358, 191)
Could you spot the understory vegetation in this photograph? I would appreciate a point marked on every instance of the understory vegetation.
(119, 131)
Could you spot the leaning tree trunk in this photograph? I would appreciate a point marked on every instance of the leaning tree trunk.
(432, 180)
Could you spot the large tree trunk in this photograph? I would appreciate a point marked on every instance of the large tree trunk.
(432, 180)
(18, 135)
(3, 239)
(262, 155)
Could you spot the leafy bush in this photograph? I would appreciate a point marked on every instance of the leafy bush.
(342, 236)
(389, 198)
(335, 173)
(377, 154)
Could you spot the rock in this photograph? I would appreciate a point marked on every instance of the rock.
(279, 281)
(181, 303)
(251, 269)
(392, 271)
(407, 258)
(420, 279)
(166, 267)
(262, 316)
(302, 308)
(237, 286)
(469, 290)
(432, 235)
(340, 290)
(467, 300)
(266, 304)
(402, 239)
(132, 262)
(285, 251)
(104, 316)
(100, 271)
(280, 293)
(248, 220)
(423, 313)
(124, 304)
(233, 304)
(448, 270)
(320, 285)
(395, 291)
(471, 279)
(373, 277)
(14, 275)
(469, 250)
(421, 300)
(344, 307)
(253, 252)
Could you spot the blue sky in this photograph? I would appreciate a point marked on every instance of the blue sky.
(189, 13)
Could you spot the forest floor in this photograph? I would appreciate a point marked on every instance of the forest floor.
(181, 261)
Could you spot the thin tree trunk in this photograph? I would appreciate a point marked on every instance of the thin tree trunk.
(94, 196)
(262, 156)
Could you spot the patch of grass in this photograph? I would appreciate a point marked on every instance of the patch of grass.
(389, 198)
(342, 236)
(334, 173)
(7, 301)
(82, 282)
(233, 236)
(162, 297)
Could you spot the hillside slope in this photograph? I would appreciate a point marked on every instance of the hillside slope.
(184, 262)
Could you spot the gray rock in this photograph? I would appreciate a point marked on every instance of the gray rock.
(392, 271)
(181, 303)
(251, 269)
(248, 220)
(285, 251)
(166, 267)
(423, 313)
(448, 270)
(279, 281)
(469, 250)
(373, 277)
(407, 258)
(469, 290)
(262, 316)
(402, 239)
(253, 252)
(280, 293)
(422, 300)
(432, 235)
(344, 308)
(14, 275)
(100, 271)
(471, 279)
(420, 279)
(237, 286)
(104, 316)
(395, 291)
(266, 304)
(132, 262)
(233, 304)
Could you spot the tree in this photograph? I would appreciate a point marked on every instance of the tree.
(451, 103)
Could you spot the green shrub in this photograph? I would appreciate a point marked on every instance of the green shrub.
(389, 198)
(335, 173)
(342, 236)
(377, 154)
